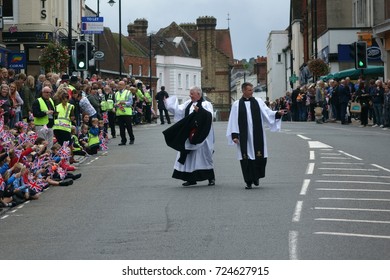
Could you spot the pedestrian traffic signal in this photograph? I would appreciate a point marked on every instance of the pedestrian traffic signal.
(82, 59)
(361, 55)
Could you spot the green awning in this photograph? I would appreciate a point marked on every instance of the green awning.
(354, 74)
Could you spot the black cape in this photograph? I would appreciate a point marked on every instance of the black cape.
(195, 127)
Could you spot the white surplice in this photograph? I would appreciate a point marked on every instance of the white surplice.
(267, 117)
(200, 157)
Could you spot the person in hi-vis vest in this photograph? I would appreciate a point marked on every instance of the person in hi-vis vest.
(63, 122)
(124, 113)
(43, 112)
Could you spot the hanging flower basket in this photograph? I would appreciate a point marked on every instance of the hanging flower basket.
(318, 67)
(54, 58)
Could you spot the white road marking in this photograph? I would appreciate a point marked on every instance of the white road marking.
(343, 163)
(330, 154)
(380, 167)
(293, 245)
(349, 169)
(297, 212)
(337, 158)
(355, 175)
(5, 216)
(352, 209)
(303, 137)
(312, 155)
(352, 221)
(350, 155)
(310, 168)
(353, 234)
(354, 199)
(318, 145)
(353, 182)
(351, 190)
(305, 186)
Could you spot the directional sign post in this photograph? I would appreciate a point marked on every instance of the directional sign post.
(92, 25)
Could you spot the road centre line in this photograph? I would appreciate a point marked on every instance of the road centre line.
(310, 168)
(353, 182)
(352, 234)
(351, 190)
(318, 145)
(330, 154)
(350, 155)
(352, 209)
(355, 175)
(312, 155)
(352, 221)
(354, 199)
(380, 167)
(297, 212)
(293, 245)
(305, 186)
(349, 169)
(5, 216)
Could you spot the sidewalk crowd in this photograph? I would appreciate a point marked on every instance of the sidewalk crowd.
(331, 102)
(46, 122)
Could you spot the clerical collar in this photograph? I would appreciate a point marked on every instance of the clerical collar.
(247, 99)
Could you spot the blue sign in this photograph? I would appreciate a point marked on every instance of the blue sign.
(92, 25)
(17, 60)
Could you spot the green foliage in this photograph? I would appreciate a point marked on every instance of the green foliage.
(54, 58)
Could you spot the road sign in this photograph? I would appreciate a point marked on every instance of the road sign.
(99, 55)
(92, 25)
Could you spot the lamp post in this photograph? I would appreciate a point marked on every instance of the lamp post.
(112, 2)
(150, 63)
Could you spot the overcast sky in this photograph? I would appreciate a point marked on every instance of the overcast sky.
(250, 22)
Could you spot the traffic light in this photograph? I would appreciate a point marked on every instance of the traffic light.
(82, 59)
(361, 55)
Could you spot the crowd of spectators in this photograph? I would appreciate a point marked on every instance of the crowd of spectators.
(331, 102)
(29, 163)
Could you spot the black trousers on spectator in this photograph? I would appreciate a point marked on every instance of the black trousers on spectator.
(124, 122)
(111, 123)
(164, 110)
(62, 136)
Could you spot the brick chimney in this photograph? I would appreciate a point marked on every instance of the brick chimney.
(138, 29)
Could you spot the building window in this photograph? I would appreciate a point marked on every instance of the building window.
(387, 10)
(160, 80)
(360, 12)
(195, 81)
(179, 85)
(8, 10)
(187, 81)
(279, 58)
(140, 70)
(131, 69)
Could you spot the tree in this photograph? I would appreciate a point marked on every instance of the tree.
(318, 67)
(54, 58)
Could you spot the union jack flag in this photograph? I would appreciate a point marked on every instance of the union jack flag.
(2, 183)
(105, 117)
(62, 172)
(64, 152)
(35, 186)
(22, 138)
(32, 137)
(1, 123)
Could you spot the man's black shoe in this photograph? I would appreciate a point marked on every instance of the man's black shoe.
(256, 182)
(186, 184)
(211, 182)
(248, 186)
(131, 142)
(121, 144)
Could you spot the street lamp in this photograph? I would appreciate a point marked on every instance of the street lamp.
(112, 2)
